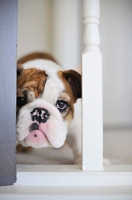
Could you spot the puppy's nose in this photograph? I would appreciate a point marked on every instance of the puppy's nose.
(41, 115)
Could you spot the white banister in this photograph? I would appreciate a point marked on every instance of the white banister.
(92, 89)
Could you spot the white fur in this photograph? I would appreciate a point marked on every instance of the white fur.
(53, 88)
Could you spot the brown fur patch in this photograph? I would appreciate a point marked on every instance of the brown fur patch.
(20, 148)
(30, 84)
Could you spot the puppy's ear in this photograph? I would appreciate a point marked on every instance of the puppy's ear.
(74, 80)
(19, 69)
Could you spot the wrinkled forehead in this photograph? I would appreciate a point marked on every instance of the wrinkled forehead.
(54, 89)
(54, 86)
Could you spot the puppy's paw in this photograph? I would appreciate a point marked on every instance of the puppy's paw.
(22, 149)
(106, 161)
(78, 160)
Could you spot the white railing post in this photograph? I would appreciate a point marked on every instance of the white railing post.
(92, 89)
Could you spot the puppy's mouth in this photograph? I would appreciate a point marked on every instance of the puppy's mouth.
(37, 135)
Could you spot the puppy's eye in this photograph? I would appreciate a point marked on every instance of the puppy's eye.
(62, 105)
(21, 101)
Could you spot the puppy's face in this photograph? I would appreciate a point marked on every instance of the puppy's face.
(45, 103)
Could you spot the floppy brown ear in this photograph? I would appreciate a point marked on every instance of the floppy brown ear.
(74, 80)
(19, 69)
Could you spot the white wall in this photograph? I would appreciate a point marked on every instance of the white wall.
(55, 26)
(67, 32)
(116, 48)
(34, 26)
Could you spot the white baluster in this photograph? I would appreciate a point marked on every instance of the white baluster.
(91, 13)
(92, 89)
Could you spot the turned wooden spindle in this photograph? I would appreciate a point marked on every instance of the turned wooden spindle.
(92, 144)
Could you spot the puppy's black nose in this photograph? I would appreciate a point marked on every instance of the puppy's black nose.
(41, 115)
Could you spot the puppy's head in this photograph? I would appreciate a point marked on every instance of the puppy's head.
(45, 103)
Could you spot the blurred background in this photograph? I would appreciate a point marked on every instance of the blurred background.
(55, 27)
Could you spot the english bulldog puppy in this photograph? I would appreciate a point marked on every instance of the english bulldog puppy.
(48, 106)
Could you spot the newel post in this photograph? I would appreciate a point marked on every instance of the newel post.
(92, 89)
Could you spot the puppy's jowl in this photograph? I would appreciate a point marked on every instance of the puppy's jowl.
(48, 106)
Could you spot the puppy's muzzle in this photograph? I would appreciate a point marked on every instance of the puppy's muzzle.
(40, 115)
